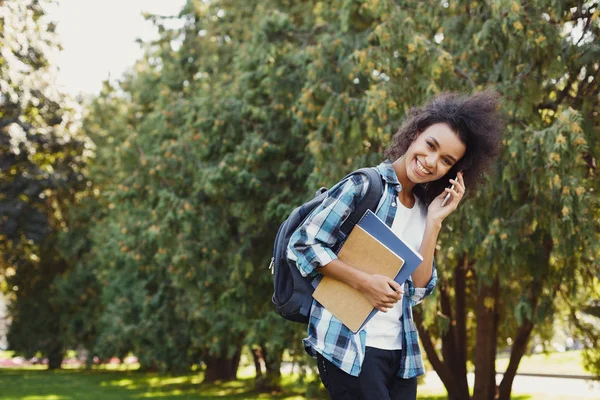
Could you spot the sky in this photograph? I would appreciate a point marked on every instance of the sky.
(98, 38)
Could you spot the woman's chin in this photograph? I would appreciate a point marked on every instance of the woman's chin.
(417, 179)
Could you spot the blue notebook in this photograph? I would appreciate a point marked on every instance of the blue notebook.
(372, 247)
(380, 231)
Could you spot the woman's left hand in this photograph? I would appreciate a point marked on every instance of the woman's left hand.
(438, 213)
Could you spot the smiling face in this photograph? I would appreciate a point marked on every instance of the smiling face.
(433, 153)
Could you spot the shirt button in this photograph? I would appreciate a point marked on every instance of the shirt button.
(394, 204)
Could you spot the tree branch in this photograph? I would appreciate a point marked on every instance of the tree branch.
(448, 338)
(585, 28)
(462, 73)
(561, 96)
(440, 368)
(577, 15)
(516, 353)
(460, 313)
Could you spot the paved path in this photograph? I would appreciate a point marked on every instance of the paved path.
(549, 387)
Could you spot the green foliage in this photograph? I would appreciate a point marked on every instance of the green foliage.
(180, 249)
(228, 123)
(41, 171)
(535, 225)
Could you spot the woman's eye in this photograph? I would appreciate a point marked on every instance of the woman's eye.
(430, 145)
(448, 162)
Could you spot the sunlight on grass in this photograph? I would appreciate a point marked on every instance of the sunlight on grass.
(33, 368)
(120, 383)
(118, 367)
(150, 395)
(158, 381)
(246, 372)
(567, 363)
(33, 384)
(49, 397)
(70, 366)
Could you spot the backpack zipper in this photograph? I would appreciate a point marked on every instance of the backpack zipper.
(272, 265)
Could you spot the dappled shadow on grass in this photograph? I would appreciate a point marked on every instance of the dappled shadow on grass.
(109, 385)
(241, 389)
(162, 387)
(238, 389)
(19, 383)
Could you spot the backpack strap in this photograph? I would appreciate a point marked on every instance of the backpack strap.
(368, 202)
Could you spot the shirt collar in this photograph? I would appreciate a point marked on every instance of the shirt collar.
(386, 169)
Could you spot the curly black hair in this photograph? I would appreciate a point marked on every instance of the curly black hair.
(477, 122)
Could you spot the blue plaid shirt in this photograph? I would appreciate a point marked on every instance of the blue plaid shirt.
(314, 244)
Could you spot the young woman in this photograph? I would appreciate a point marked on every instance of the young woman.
(449, 141)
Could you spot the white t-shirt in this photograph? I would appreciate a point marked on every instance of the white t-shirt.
(384, 328)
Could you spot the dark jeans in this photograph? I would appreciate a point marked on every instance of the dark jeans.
(377, 379)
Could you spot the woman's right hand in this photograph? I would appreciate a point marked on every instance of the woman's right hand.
(381, 291)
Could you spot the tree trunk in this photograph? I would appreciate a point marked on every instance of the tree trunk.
(524, 333)
(440, 367)
(220, 368)
(146, 364)
(459, 324)
(55, 359)
(460, 295)
(271, 380)
(485, 347)
(516, 353)
(452, 370)
(450, 350)
(257, 357)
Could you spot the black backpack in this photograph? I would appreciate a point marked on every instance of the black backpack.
(293, 292)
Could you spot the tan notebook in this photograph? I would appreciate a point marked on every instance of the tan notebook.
(364, 252)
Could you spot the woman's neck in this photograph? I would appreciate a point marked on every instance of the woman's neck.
(405, 195)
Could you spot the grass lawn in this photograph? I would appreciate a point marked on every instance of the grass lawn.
(35, 384)
(75, 384)
(567, 363)
(117, 382)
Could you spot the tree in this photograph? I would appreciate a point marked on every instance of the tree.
(194, 247)
(40, 173)
(80, 288)
(227, 123)
(532, 233)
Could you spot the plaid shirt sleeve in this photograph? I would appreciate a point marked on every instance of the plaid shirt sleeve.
(311, 244)
(418, 294)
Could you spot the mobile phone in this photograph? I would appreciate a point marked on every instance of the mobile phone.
(448, 195)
